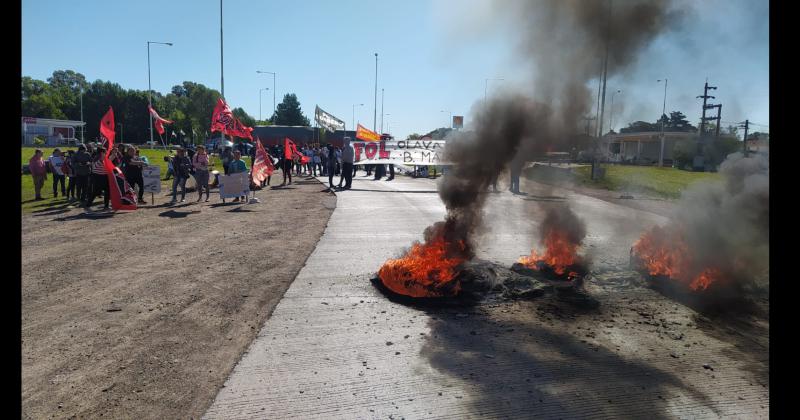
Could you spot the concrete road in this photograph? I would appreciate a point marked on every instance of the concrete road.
(336, 348)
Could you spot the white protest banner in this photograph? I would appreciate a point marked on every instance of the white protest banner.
(152, 178)
(403, 152)
(234, 185)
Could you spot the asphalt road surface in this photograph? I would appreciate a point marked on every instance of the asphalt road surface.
(335, 347)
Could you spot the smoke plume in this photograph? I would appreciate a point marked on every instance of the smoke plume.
(726, 224)
(564, 42)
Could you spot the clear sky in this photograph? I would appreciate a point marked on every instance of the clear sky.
(433, 55)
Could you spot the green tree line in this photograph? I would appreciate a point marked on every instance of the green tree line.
(190, 105)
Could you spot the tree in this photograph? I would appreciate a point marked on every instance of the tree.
(640, 126)
(288, 112)
(678, 122)
(242, 116)
(414, 136)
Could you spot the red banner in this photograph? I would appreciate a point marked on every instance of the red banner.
(366, 134)
(262, 165)
(223, 120)
(107, 128)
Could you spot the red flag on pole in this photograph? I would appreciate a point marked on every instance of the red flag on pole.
(223, 120)
(123, 197)
(158, 121)
(290, 151)
(107, 128)
(262, 165)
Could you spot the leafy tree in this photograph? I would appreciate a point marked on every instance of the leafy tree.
(242, 116)
(414, 136)
(678, 122)
(288, 112)
(640, 126)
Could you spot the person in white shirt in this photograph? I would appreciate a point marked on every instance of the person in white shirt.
(56, 163)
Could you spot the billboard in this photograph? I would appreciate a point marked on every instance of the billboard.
(458, 121)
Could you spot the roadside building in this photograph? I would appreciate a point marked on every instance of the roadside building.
(54, 132)
(642, 147)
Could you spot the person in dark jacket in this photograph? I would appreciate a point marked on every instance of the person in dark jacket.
(516, 170)
(132, 169)
(180, 165)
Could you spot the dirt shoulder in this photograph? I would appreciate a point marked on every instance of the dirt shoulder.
(144, 314)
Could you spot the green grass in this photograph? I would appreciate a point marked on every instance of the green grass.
(651, 180)
(155, 156)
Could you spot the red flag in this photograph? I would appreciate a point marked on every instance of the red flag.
(159, 122)
(107, 129)
(262, 165)
(366, 134)
(123, 197)
(223, 120)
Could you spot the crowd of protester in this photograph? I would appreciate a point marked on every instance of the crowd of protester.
(81, 175)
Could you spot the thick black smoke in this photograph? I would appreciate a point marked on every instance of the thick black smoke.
(565, 42)
(726, 224)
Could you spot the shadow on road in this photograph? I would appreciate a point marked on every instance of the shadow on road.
(523, 369)
(397, 191)
(176, 214)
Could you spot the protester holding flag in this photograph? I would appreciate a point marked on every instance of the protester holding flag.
(181, 165)
(200, 164)
(99, 179)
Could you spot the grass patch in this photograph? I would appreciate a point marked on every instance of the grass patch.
(663, 182)
(154, 156)
(649, 180)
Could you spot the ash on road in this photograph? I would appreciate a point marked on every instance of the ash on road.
(144, 314)
(335, 347)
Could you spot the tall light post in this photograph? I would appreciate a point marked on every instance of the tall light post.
(259, 103)
(611, 114)
(274, 77)
(486, 87)
(149, 88)
(451, 117)
(387, 124)
(381, 110)
(83, 127)
(221, 65)
(375, 108)
(354, 114)
(663, 112)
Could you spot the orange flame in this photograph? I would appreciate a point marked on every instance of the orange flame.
(665, 253)
(559, 254)
(427, 270)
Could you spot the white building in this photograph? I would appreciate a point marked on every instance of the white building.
(54, 132)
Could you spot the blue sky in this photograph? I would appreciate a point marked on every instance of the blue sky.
(433, 55)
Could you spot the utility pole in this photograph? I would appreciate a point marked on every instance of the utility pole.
(381, 111)
(588, 122)
(703, 119)
(746, 125)
(603, 100)
(719, 120)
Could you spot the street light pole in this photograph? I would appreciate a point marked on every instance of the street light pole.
(451, 117)
(375, 108)
(221, 55)
(354, 114)
(382, 110)
(663, 113)
(149, 88)
(83, 127)
(259, 102)
(274, 76)
(611, 114)
(486, 86)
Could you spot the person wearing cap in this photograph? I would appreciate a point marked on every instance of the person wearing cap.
(180, 165)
